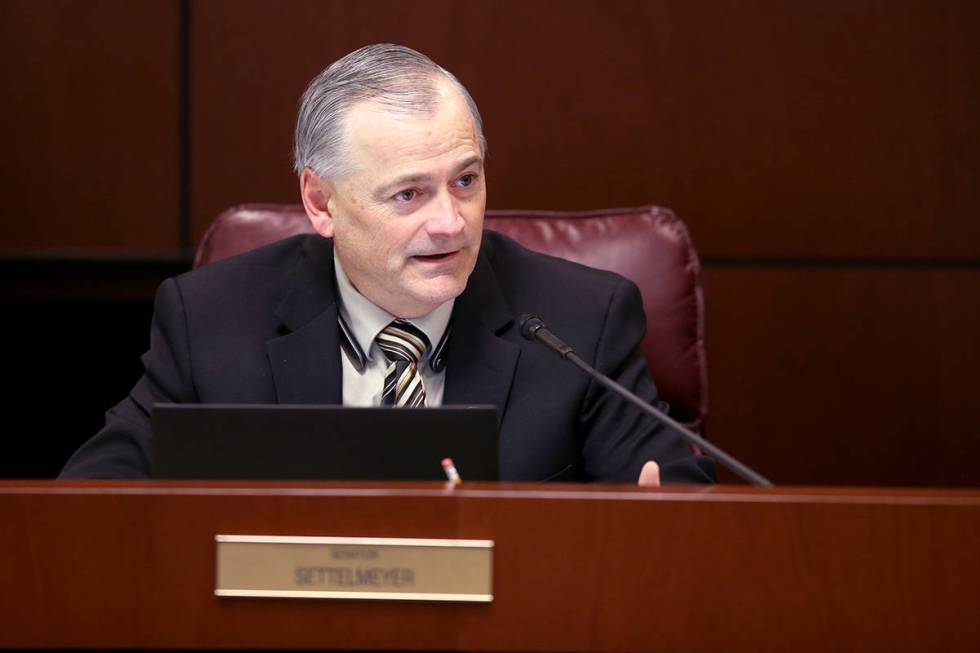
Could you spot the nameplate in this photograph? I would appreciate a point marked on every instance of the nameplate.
(354, 568)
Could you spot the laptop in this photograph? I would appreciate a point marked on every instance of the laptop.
(319, 442)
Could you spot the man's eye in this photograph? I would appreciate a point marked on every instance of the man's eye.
(466, 180)
(405, 195)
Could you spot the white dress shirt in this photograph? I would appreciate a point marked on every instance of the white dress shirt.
(365, 321)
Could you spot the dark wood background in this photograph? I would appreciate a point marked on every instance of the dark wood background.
(824, 155)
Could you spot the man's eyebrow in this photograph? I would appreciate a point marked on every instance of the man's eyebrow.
(392, 185)
(473, 160)
(387, 189)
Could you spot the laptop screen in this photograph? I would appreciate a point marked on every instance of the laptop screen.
(320, 442)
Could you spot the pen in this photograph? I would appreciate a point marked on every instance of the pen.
(451, 473)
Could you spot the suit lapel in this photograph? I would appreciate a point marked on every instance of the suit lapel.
(305, 361)
(480, 364)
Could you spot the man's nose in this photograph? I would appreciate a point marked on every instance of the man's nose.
(445, 218)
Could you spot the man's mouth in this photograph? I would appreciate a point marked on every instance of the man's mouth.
(436, 258)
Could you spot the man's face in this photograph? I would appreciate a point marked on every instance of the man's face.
(407, 223)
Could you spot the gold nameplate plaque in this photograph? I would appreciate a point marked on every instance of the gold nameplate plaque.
(355, 568)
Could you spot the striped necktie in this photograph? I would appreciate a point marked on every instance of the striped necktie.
(403, 345)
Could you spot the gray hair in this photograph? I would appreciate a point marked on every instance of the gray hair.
(397, 77)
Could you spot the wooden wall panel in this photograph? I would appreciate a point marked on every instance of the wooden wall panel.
(847, 376)
(777, 129)
(843, 129)
(89, 125)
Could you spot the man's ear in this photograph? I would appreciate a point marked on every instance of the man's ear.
(317, 193)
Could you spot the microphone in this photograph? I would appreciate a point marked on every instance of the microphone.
(533, 328)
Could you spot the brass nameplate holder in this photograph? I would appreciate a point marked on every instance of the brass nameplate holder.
(355, 568)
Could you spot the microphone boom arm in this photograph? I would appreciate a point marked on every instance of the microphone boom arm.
(534, 329)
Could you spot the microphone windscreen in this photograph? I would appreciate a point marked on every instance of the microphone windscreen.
(530, 325)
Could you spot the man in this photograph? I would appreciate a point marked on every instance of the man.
(402, 299)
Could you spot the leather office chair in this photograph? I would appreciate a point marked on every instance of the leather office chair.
(649, 245)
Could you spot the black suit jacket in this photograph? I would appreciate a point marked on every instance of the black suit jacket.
(262, 328)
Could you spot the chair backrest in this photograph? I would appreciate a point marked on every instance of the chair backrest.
(649, 245)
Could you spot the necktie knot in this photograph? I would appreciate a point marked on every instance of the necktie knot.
(403, 341)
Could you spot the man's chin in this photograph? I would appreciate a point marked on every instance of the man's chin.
(428, 296)
(431, 285)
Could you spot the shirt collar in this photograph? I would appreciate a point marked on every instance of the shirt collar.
(361, 320)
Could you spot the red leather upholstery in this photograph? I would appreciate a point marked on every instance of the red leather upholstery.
(649, 245)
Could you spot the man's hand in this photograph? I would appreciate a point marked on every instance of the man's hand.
(650, 474)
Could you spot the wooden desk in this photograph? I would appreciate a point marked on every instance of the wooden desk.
(576, 568)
